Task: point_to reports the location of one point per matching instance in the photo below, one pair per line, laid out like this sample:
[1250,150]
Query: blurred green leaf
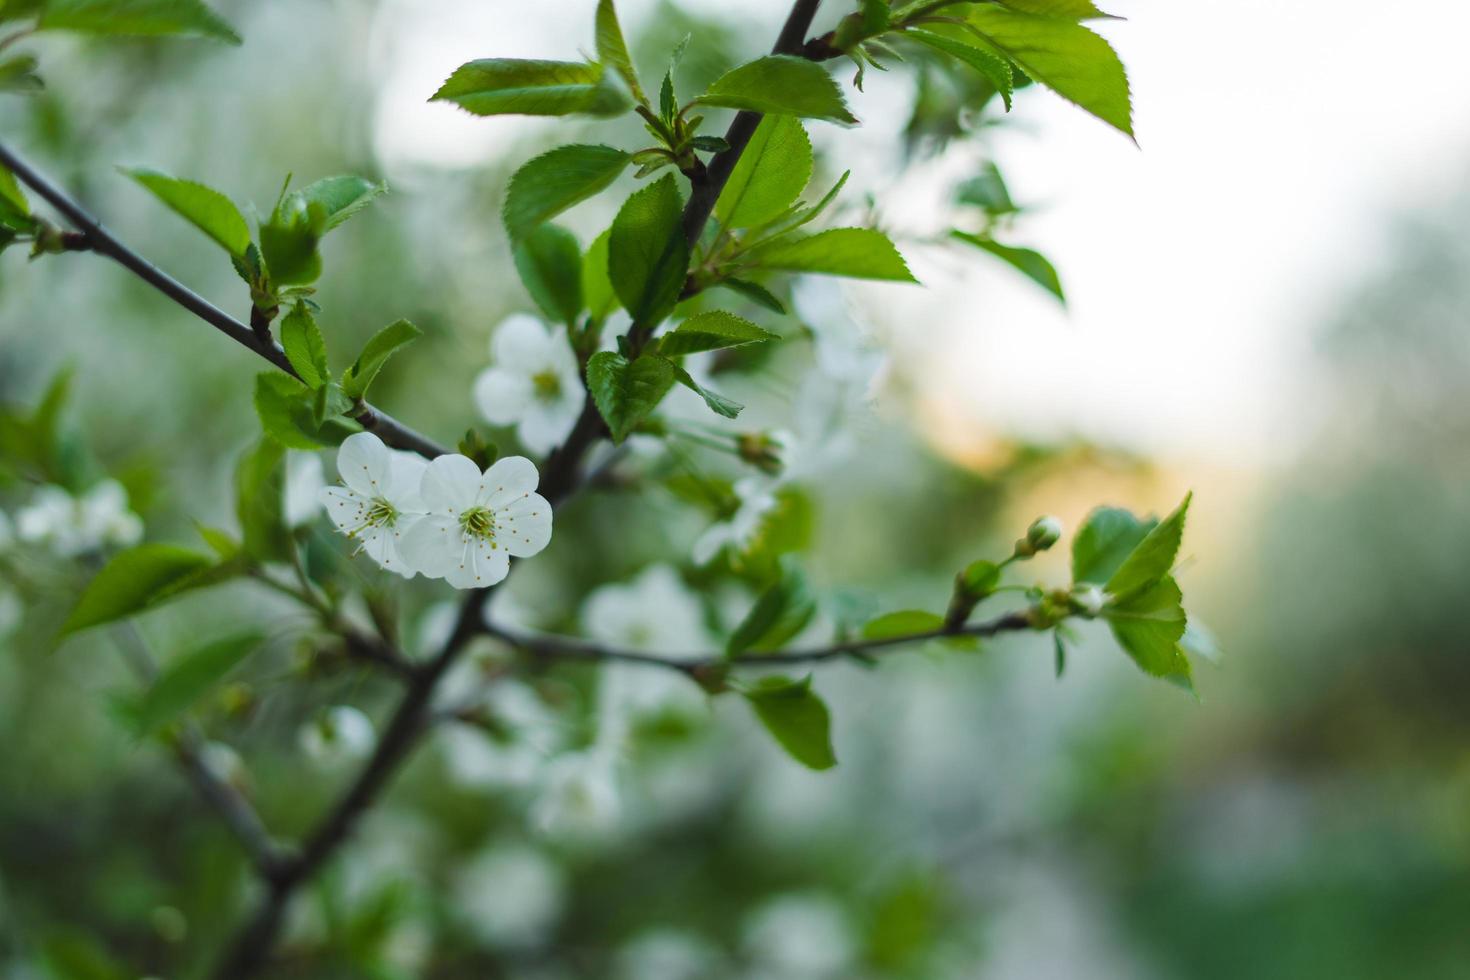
[260,479]
[796,717]
[965,48]
[905,623]
[1030,263]
[384,343]
[550,264]
[305,347]
[782,85]
[136,17]
[286,411]
[613,50]
[18,74]
[713,330]
[74,955]
[756,293]
[597,287]
[1064,56]
[781,612]
[857,253]
[647,254]
[717,402]
[132,581]
[339,198]
[1153,558]
[501,86]
[769,176]
[289,239]
[549,184]
[186,679]
[626,392]
[204,207]
[1104,542]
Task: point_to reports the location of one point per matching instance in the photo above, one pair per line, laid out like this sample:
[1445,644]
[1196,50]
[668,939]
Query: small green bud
[1041,535]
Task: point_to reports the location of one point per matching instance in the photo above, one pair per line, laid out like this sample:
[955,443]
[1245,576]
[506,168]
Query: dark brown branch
[103,242]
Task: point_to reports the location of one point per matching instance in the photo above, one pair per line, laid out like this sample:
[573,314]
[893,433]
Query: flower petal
[405,480]
[544,425]
[502,394]
[481,564]
[523,526]
[510,477]
[381,545]
[347,509]
[521,343]
[362,462]
[431,545]
[450,484]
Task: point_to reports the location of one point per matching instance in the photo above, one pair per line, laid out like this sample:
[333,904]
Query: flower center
[478,522]
[546,385]
[378,513]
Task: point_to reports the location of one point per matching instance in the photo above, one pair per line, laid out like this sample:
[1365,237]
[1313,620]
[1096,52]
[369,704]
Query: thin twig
[103,242]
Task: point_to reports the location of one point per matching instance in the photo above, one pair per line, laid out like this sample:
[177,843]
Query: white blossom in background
[302,493]
[225,764]
[510,896]
[71,526]
[667,954]
[339,734]
[527,735]
[578,798]
[476,522]
[533,383]
[800,937]
[757,498]
[379,500]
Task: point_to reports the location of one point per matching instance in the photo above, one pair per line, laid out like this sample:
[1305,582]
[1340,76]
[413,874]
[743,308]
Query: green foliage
[510,86]
[781,612]
[796,717]
[717,403]
[305,347]
[1064,56]
[858,253]
[375,353]
[1148,625]
[769,176]
[136,17]
[299,417]
[647,254]
[782,85]
[335,199]
[626,392]
[134,580]
[966,48]
[556,180]
[713,330]
[1074,9]
[186,679]
[612,49]
[1032,264]
[18,75]
[754,292]
[260,478]
[550,263]
[1153,558]
[1104,542]
[872,18]
[597,288]
[289,238]
[15,210]
[204,207]
[904,623]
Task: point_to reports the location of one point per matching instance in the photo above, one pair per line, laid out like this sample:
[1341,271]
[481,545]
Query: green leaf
[796,718]
[966,49]
[756,293]
[781,612]
[288,241]
[625,392]
[305,347]
[204,207]
[259,499]
[1071,9]
[597,287]
[613,50]
[136,17]
[1153,558]
[19,9]
[550,264]
[15,210]
[1104,541]
[769,176]
[781,85]
[339,198]
[872,18]
[284,406]
[1149,625]
[1030,263]
[858,253]
[18,74]
[647,255]
[717,402]
[712,331]
[509,86]
[1059,648]
[549,184]
[132,581]
[384,343]
[185,680]
[905,623]
[1064,56]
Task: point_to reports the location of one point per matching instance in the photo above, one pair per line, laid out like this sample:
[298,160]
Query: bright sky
[1276,137]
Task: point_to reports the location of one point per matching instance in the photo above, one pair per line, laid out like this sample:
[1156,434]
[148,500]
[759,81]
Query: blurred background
[1265,304]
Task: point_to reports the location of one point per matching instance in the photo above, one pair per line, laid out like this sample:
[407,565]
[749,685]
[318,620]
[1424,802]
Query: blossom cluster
[442,518]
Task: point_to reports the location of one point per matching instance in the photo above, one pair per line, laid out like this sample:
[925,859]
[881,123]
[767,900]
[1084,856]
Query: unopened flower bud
[1088,599]
[1041,535]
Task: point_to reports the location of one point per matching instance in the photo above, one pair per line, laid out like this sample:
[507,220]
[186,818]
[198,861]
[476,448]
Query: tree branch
[98,239]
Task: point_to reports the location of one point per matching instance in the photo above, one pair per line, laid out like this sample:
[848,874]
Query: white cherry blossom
[379,501]
[476,522]
[71,526]
[533,383]
[302,494]
[756,500]
[340,734]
